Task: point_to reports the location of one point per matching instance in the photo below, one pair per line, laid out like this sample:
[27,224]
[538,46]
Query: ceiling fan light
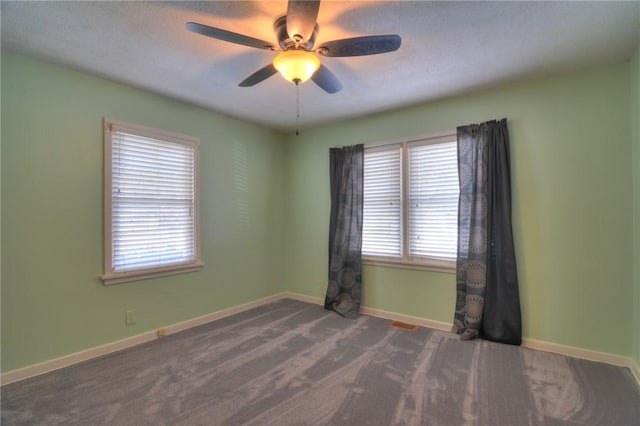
[296,65]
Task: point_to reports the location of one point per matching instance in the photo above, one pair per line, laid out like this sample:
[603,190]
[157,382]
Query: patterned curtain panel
[345,231]
[488,301]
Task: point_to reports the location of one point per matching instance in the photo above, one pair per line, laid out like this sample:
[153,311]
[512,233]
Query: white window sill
[435,265]
[124,277]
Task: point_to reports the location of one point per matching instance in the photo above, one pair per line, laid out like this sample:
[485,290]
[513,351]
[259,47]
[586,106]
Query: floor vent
[400,324]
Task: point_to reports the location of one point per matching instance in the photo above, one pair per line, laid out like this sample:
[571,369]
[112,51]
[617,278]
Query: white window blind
[411,203]
[433,200]
[152,198]
[382,232]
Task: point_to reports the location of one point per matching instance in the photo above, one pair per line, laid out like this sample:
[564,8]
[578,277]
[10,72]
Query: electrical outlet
[130,317]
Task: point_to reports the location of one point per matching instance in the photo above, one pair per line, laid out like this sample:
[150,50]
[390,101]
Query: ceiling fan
[298,60]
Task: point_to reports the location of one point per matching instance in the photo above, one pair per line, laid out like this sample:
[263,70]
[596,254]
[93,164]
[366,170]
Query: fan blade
[301,19]
[229,36]
[326,80]
[360,46]
[258,76]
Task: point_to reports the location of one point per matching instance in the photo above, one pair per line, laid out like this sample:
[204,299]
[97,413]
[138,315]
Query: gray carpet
[293,363]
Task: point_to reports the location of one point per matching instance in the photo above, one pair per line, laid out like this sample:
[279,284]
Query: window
[151,203]
[411,203]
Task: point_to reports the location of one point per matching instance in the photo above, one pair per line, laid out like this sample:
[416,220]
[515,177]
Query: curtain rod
[408,139]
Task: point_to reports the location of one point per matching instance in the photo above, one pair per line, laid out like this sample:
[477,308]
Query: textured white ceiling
[448,48]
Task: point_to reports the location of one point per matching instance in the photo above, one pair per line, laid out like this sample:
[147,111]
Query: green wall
[635,122]
[570,139]
[53,302]
[265,208]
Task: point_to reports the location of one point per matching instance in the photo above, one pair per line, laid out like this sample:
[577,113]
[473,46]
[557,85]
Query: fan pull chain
[297,107]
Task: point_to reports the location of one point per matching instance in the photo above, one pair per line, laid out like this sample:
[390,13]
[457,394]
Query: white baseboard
[635,370]
[67,360]
[74,358]
[204,319]
[574,352]
[438,325]
[571,351]
[303,298]
[77,357]
[409,319]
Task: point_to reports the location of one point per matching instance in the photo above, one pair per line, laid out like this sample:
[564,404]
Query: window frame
[406,261]
[116,277]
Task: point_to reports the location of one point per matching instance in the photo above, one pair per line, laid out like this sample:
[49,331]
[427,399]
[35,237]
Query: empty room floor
[294,363]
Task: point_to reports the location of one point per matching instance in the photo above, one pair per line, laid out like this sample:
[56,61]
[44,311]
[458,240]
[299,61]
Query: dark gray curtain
[345,231]
[488,301]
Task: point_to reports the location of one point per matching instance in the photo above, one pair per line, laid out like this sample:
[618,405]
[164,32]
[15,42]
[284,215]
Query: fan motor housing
[286,41]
